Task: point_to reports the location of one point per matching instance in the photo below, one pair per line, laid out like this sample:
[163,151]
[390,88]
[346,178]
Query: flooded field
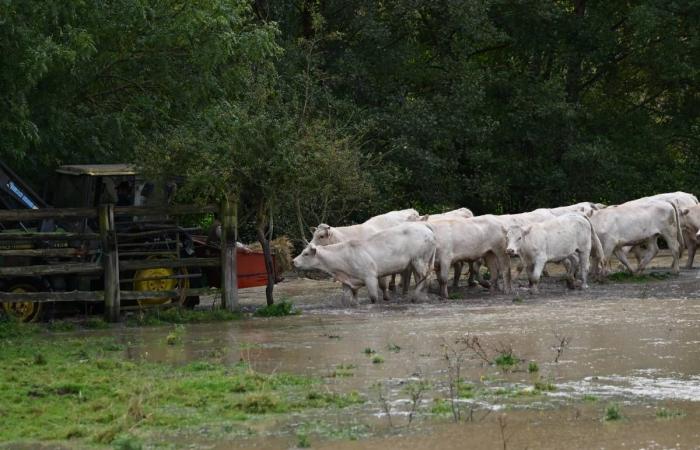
[616,366]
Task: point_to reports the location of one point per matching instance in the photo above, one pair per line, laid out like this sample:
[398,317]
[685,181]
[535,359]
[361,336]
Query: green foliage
[393,348]
[665,413]
[612,412]
[369,351]
[11,328]
[544,386]
[532,367]
[506,360]
[279,309]
[182,316]
[376,359]
[303,440]
[441,407]
[590,398]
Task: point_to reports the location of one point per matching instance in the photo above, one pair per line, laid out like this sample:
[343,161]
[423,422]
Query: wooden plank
[140,264]
[146,244]
[229,277]
[172,210]
[16,215]
[50,269]
[137,295]
[49,236]
[46,252]
[140,234]
[171,277]
[150,253]
[110,261]
[43,297]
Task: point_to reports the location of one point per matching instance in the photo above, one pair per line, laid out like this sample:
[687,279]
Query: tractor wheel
[144,281]
[23,311]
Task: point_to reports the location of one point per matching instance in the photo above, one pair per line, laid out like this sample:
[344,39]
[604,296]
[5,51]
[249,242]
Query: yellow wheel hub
[144,281]
[23,311]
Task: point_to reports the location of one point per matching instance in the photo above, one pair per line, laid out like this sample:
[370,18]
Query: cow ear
[312,249]
[424,218]
[312,229]
[526,231]
[684,211]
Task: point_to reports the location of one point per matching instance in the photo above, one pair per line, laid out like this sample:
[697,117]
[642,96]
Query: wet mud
[630,346]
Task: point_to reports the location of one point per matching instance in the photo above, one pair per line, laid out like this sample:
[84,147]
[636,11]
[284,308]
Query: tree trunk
[262,223]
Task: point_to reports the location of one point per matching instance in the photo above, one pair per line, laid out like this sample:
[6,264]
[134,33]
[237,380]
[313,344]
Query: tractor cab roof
[97,170]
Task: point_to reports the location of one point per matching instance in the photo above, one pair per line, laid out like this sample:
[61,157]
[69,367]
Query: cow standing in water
[363,262]
[567,238]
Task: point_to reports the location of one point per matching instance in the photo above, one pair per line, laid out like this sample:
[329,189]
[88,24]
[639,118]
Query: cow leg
[372,284]
[421,270]
[570,273]
[494,269]
[458,273]
[382,287]
[583,266]
[392,283]
[473,274]
[534,275]
[349,296]
[504,262]
[675,248]
[405,280]
[443,275]
[623,259]
[652,250]
[518,269]
[692,246]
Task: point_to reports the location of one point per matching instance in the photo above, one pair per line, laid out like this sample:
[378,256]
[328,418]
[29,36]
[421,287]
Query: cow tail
[596,243]
[679,231]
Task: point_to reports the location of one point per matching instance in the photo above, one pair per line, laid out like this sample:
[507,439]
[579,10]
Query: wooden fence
[110,245]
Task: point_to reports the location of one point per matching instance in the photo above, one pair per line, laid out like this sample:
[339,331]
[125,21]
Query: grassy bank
[85,392]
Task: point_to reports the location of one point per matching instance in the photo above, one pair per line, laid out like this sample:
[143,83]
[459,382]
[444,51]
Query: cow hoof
[485,284]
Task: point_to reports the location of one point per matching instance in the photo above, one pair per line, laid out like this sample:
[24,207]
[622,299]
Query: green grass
[506,361]
[393,348]
[369,351]
[279,309]
[376,359]
[665,413]
[612,413]
[626,277]
[532,367]
[589,398]
[84,392]
[303,440]
[182,316]
[544,386]
[441,407]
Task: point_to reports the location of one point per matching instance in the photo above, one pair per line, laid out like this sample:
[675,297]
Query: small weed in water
[517,299]
[545,386]
[665,413]
[95,323]
[590,398]
[394,348]
[181,316]
[369,351]
[612,412]
[454,296]
[376,359]
[533,367]
[343,370]
[283,308]
[506,360]
[175,336]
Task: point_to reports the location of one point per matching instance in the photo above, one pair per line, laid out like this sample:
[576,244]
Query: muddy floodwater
[627,352]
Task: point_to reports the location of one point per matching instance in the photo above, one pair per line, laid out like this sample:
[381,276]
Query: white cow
[635,223]
[568,237]
[474,266]
[682,201]
[585,208]
[690,220]
[325,234]
[357,262]
[460,239]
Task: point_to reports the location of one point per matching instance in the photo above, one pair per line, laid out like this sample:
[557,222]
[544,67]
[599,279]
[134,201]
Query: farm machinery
[153,238]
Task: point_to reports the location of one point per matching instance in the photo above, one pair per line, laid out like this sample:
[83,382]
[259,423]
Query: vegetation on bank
[82,391]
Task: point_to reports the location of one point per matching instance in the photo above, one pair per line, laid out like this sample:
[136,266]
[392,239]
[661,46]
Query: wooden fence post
[229,235]
[110,262]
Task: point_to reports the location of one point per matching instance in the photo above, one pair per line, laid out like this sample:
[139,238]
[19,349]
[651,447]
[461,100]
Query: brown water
[637,345]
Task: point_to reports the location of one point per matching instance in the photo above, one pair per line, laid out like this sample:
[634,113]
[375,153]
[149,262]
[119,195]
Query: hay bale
[282,249]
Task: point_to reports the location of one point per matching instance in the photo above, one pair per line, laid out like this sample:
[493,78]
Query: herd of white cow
[582,237]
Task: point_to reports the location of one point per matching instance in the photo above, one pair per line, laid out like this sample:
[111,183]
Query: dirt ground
[630,351]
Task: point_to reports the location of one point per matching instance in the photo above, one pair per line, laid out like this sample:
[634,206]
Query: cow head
[514,239]
[322,235]
[307,258]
